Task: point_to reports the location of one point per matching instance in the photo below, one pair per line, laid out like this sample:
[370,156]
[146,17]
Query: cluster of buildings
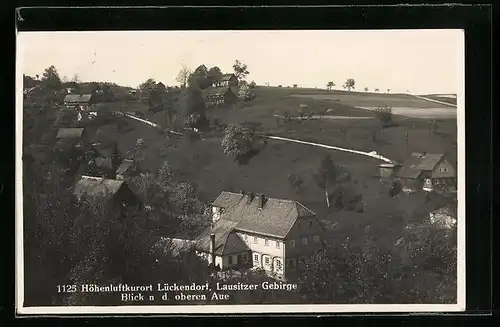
[430,172]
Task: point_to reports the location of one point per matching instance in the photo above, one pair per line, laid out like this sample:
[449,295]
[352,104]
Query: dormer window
[443,170]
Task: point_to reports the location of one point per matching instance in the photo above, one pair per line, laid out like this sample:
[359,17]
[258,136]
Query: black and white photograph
[249,171]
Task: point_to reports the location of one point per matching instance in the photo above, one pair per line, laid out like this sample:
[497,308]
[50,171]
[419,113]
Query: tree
[366,89]
[28,81]
[238,140]
[384,114]
[327,177]
[190,105]
[75,78]
[252,84]
[147,87]
[214,75]
[407,142]
[116,157]
[183,76]
[51,79]
[295,181]
[329,85]
[199,78]
[295,86]
[377,90]
[388,90]
[349,84]
[240,70]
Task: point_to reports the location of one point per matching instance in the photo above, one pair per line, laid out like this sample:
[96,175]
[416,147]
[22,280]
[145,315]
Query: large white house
[255,231]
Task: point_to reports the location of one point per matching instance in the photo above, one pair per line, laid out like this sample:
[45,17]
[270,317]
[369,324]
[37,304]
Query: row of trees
[350,84]
[203,77]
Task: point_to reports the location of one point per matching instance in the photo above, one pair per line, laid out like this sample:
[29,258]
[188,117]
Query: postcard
[283,171]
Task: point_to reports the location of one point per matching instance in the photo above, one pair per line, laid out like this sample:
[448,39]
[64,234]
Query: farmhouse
[219,96]
[227,80]
[445,217]
[431,172]
[78,101]
[255,231]
[115,191]
[71,136]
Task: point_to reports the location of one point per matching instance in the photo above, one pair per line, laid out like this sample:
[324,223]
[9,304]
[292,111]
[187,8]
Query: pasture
[203,163]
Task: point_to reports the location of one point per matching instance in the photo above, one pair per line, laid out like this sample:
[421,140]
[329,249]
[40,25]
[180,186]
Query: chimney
[212,248]
[260,200]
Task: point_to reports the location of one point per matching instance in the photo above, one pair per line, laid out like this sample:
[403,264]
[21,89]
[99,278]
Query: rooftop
[275,218]
[70,133]
[96,186]
[418,163]
[78,98]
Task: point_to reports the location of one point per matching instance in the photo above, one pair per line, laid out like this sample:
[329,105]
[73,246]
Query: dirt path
[324,117]
[331,147]
[435,101]
[367,154]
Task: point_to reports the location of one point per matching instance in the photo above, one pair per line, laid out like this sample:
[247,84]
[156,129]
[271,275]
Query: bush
[384,114]
[295,85]
[395,188]
[252,84]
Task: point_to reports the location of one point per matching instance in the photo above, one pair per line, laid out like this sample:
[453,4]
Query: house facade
[254,231]
[429,172]
[227,80]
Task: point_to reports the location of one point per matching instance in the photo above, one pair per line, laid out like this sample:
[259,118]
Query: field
[204,164]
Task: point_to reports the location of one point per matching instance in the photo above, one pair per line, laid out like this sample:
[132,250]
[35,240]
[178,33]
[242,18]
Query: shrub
[384,114]
[395,188]
[295,85]
[252,84]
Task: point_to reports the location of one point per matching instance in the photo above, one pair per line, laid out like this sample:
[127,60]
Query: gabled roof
[276,218]
[94,186]
[227,77]
[124,166]
[78,98]
[418,163]
[70,133]
[222,228]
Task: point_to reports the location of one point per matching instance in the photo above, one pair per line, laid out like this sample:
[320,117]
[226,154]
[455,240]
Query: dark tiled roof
[276,218]
[227,77]
[106,163]
[417,163]
[125,165]
[222,228]
[70,133]
[78,98]
[97,187]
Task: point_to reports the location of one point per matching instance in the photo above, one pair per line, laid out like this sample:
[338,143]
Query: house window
[255,240]
[256,257]
[292,243]
[304,241]
[291,262]
[230,259]
[279,265]
[443,170]
[267,261]
[245,236]
[277,244]
[310,223]
[316,238]
[266,242]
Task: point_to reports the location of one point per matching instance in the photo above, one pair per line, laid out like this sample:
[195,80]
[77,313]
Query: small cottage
[227,80]
[71,136]
[78,101]
[115,191]
[432,171]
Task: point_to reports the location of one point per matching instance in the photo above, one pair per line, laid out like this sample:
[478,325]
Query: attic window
[443,170]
